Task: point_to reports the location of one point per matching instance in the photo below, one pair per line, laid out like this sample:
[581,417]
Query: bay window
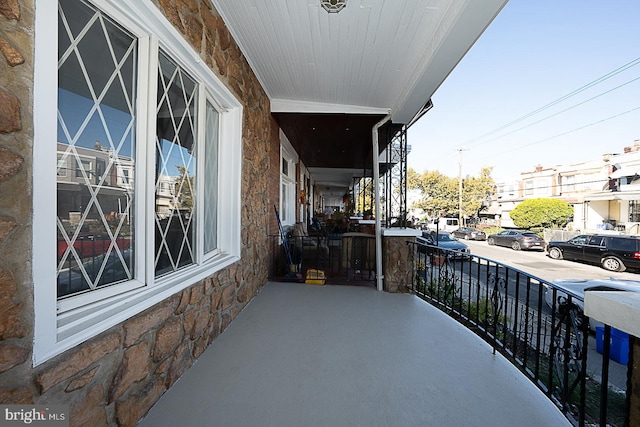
[154,139]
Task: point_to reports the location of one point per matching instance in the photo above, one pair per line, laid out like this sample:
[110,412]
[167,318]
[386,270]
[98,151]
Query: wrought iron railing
[342,257]
[541,329]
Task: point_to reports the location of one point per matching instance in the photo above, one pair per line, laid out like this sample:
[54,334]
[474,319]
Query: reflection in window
[634,210]
[96,120]
[83,168]
[175,167]
[284,203]
[211,180]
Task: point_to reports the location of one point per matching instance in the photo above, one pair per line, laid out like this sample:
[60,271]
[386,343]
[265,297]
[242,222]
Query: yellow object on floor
[315,277]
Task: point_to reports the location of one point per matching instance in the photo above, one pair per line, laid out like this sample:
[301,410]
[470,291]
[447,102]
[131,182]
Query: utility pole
[460,150]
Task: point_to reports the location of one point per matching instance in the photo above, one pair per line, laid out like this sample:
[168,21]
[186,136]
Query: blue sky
[535,53]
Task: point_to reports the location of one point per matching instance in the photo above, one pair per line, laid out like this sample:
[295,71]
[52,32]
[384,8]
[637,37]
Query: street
[540,265]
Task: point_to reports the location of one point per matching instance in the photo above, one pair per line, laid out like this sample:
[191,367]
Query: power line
[562,98]
[571,131]
[552,186]
[557,113]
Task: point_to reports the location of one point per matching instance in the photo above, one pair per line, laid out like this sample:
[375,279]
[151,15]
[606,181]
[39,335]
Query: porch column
[397,258]
[376,186]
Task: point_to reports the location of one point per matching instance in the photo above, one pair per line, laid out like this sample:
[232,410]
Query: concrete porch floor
[308,355]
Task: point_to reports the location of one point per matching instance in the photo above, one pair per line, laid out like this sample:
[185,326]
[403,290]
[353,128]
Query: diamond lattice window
[176,167]
[96,120]
[137,162]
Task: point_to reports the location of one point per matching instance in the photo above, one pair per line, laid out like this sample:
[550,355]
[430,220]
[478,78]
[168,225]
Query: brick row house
[143,147]
[604,192]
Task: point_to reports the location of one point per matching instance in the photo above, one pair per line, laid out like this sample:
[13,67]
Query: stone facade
[114,378]
[397,262]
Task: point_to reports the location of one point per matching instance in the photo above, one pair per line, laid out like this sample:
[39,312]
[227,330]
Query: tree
[542,212]
[440,192]
[185,184]
[475,191]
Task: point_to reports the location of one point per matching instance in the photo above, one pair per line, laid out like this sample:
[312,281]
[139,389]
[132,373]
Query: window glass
[287,191]
[634,211]
[96,121]
[175,195]
[621,244]
[528,188]
[579,240]
[61,170]
[211,179]
[284,217]
[108,223]
[595,240]
[569,183]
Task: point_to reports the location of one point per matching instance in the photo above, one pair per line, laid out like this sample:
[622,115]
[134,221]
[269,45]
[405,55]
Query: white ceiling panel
[374,55]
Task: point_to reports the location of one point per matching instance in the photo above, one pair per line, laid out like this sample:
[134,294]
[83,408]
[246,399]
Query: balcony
[350,355]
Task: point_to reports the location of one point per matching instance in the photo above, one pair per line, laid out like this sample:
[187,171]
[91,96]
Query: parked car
[611,252]
[443,240]
[578,287]
[469,233]
[443,224]
[89,245]
[517,239]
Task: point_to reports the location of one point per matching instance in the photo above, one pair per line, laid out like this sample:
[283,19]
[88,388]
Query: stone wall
[397,262]
[16,136]
[114,378]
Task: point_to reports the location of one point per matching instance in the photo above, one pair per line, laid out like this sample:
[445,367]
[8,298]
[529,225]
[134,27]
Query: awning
[624,171]
[618,173]
[493,209]
[613,195]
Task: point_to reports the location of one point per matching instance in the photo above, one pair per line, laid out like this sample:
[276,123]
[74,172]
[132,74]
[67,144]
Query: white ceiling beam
[295,106]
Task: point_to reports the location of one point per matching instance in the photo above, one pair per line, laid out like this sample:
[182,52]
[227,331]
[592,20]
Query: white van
[444,224]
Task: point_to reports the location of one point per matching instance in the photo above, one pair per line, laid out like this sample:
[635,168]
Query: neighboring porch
[346,355]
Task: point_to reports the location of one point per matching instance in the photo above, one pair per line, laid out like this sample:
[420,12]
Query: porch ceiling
[329,72]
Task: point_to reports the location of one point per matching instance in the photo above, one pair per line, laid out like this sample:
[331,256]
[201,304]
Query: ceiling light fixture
[333,6]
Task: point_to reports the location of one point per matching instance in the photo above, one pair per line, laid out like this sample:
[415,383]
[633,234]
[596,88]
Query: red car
[89,245]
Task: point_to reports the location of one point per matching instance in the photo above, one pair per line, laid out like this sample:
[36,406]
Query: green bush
[542,213]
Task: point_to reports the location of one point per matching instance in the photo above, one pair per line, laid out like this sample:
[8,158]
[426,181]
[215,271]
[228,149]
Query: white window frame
[569,183]
[66,324]
[543,186]
[529,189]
[206,98]
[287,182]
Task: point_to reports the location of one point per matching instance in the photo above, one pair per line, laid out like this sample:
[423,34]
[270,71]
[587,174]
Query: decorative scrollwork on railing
[497,284]
[568,350]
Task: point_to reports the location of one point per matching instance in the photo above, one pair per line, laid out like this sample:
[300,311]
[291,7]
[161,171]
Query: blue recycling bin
[618,347]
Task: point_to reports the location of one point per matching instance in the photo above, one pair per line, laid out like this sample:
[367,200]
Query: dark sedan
[468,233]
[444,241]
[517,240]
